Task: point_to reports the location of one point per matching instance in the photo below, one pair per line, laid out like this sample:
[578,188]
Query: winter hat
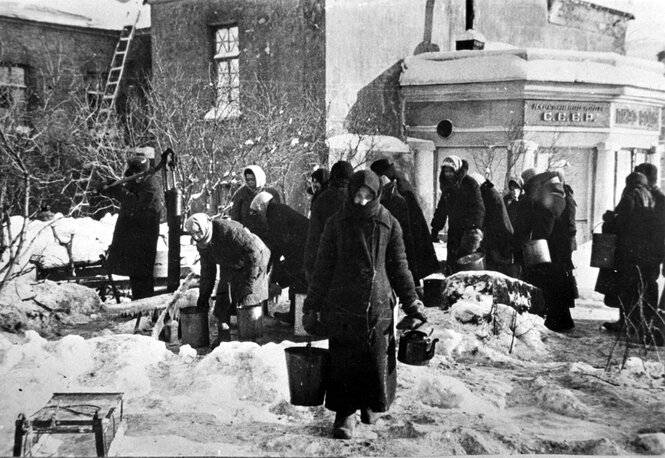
[517,181]
[648,170]
[379,167]
[636,179]
[341,172]
[137,164]
[258,173]
[260,202]
[321,176]
[370,180]
[454,162]
[528,174]
[199,226]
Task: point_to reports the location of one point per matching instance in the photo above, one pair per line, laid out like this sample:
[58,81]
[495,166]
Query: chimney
[470,39]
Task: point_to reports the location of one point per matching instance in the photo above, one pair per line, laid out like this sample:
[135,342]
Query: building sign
[636,116]
[560,113]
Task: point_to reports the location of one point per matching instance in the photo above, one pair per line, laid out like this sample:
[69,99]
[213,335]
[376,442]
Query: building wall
[51,50]
[280,40]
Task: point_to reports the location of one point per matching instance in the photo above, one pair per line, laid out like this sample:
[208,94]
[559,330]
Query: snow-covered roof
[365,143]
[97,14]
[532,64]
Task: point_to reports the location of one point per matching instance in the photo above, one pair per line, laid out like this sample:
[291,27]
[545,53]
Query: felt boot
[344,425]
[368,416]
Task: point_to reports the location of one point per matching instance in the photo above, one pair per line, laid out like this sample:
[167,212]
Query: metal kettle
[416,347]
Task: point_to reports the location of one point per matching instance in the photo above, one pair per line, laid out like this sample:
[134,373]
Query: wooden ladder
[112,87]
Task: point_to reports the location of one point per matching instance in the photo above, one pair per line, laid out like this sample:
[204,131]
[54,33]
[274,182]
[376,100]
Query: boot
[616,326]
[223,334]
[368,416]
[344,425]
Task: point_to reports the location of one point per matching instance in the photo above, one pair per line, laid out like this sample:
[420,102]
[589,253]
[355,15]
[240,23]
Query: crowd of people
[366,246]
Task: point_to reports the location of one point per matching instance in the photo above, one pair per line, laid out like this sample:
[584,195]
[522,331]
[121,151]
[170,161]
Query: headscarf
[454,162]
[650,171]
[340,173]
[321,176]
[370,180]
[258,173]
[381,166]
[201,225]
[517,181]
[260,202]
[478,178]
[528,174]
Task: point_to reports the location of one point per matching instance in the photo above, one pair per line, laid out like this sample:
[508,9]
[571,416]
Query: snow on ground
[487,390]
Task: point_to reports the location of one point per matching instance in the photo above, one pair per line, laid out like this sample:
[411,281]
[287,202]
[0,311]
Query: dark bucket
[250,322]
[194,327]
[433,287]
[307,368]
[607,281]
[473,261]
[602,250]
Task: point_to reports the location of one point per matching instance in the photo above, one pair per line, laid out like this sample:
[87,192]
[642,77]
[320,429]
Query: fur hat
[137,164]
[648,170]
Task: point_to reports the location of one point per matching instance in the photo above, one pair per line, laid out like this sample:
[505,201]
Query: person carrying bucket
[462,206]
[361,260]
[543,217]
[243,261]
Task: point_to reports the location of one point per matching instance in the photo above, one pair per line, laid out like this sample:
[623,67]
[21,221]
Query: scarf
[199,226]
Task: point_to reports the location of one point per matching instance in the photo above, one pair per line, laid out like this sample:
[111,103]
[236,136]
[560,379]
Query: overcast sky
[645,37]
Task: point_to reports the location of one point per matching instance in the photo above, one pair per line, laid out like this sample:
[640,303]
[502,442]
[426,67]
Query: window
[12,88]
[226,60]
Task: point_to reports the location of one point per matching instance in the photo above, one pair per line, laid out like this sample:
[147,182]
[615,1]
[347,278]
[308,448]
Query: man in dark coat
[511,200]
[462,206]
[318,182]
[497,229]
[361,261]
[637,256]
[425,256]
[243,261]
[255,182]
[542,216]
[393,201]
[285,231]
[134,244]
[328,202]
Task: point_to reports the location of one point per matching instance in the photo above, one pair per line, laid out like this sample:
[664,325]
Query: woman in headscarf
[462,206]
[318,182]
[255,182]
[243,261]
[361,261]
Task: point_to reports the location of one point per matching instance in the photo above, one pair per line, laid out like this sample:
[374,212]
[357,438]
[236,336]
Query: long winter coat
[462,206]
[286,231]
[393,201]
[243,198]
[497,228]
[243,261]
[325,205]
[424,254]
[352,288]
[134,244]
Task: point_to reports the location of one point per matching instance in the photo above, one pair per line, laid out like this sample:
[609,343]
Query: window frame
[227,92]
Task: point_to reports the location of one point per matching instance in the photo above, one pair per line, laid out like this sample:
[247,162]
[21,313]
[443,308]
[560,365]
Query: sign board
[562,113]
[636,116]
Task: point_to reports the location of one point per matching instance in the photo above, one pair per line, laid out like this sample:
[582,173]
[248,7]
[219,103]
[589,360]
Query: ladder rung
[112,83]
[116,69]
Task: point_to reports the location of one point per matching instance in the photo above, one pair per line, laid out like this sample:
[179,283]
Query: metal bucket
[194,327]
[473,261]
[250,322]
[602,250]
[433,287]
[536,252]
[606,283]
[307,368]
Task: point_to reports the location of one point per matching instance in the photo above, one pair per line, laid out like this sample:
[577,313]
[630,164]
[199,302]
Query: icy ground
[550,394]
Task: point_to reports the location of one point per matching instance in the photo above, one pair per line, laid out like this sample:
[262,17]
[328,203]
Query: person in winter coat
[285,231]
[318,182]
[637,256]
[425,257]
[497,230]
[511,200]
[134,245]
[542,216]
[361,261]
[328,202]
[651,172]
[393,201]
[255,182]
[462,206]
[243,263]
